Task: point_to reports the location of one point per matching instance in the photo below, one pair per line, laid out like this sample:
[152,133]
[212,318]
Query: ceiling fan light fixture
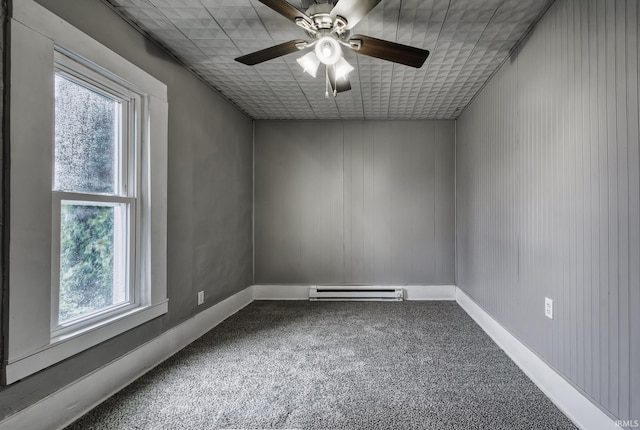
[309,63]
[343,68]
[328,24]
[328,50]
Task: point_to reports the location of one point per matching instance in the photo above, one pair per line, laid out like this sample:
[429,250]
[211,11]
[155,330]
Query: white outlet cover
[548,307]
[200,297]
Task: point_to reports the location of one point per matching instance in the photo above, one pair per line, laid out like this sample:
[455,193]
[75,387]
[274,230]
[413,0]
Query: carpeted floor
[335,365]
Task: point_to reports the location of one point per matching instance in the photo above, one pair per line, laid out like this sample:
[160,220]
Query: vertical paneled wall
[354,202]
[548,197]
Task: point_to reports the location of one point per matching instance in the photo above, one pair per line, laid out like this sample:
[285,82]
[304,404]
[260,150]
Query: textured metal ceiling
[468,40]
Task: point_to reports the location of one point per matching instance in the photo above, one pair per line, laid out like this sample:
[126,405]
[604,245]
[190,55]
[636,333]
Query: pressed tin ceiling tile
[468,40]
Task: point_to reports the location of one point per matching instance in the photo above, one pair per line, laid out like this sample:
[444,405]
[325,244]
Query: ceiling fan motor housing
[321,21]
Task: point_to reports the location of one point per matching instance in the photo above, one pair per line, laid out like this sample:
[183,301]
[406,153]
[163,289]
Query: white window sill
[65,346]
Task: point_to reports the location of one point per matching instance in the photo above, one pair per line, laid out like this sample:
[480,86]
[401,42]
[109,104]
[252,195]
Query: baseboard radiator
[362,293]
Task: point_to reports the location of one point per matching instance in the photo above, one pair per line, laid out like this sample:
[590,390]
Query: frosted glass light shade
[328,50]
[343,68]
[310,63]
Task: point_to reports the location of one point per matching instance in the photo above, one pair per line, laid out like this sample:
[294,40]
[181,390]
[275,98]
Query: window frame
[35,36]
[127,177]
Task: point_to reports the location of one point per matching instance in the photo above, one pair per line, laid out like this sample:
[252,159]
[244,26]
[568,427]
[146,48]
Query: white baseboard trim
[71,402]
[430,292]
[567,398]
[280,292]
[301,292]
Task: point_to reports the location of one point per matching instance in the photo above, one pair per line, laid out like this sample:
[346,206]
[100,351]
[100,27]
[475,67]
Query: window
[87,211]
[94,197]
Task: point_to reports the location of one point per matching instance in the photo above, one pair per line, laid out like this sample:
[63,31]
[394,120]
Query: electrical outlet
[200,297]
[548,308]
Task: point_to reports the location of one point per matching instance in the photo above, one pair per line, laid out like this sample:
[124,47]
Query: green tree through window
[86,260]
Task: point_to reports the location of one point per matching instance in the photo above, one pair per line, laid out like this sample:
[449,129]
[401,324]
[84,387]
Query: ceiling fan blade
[285,9]
[390,51]
[270,53]
[339,86]
[353,10]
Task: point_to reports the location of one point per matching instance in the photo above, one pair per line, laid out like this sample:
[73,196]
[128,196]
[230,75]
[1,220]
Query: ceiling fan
[329,28]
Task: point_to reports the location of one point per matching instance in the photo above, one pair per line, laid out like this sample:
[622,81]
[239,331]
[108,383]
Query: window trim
[36,34]
[128,168]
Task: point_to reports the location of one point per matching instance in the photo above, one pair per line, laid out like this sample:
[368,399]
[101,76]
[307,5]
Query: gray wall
[3,51]
[209,198]
[354,202]
[548,197]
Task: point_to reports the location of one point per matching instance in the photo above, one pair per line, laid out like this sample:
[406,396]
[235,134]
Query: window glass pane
[86,139]
[92,258]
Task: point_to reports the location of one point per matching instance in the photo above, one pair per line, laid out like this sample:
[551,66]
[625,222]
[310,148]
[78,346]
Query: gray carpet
[335,365]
